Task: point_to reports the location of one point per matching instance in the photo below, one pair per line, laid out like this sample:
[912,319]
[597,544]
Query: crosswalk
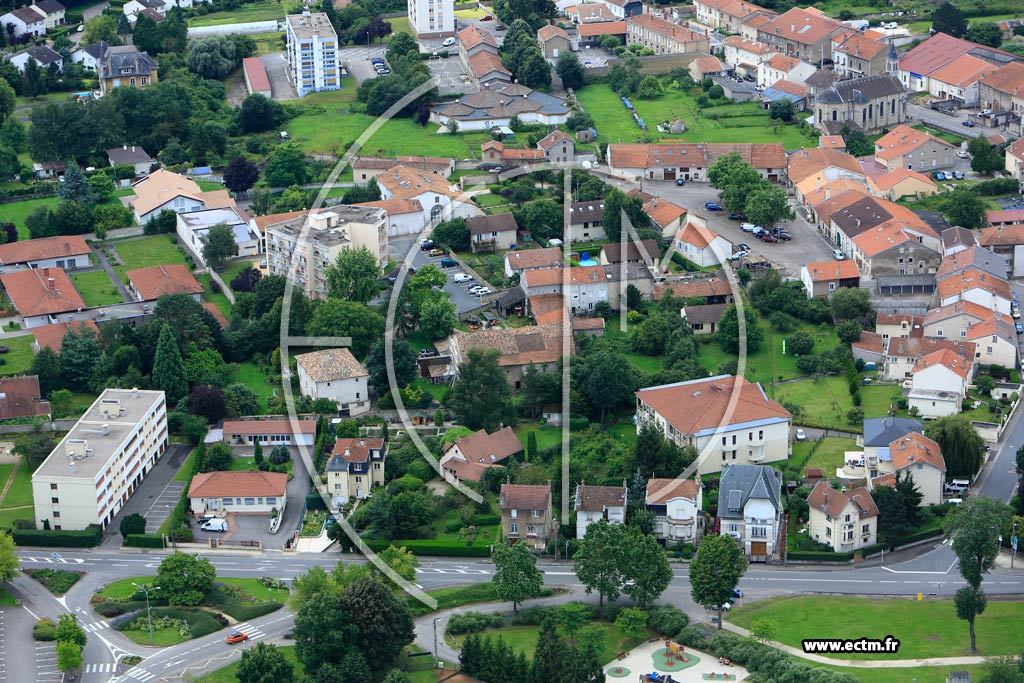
[97,626]
[253,632]
[108,667]
[140,675]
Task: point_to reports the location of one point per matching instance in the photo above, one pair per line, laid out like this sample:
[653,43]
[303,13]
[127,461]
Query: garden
[144,252]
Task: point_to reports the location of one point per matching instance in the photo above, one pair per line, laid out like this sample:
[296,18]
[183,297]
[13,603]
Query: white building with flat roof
[193,227]
[432,18]
[94,470]
[312,53]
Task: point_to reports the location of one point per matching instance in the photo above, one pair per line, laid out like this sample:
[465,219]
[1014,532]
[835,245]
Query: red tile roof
[832,270]
[914,448]
[43,248]
[256,74]
[945,358]
[225,484]
[698,405]
[602,28]
[660,491]
[355,450]
[1007,79]
[277,424]
[524,497]
[156,281]
[597,498]
[41,291]
[51,336]
[833,502]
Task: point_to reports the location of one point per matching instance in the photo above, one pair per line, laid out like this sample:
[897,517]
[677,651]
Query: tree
[857,142]
[481,395]
[848,331]
[78,354]
[133,524]
[646,564]
[7,102]
[258,114]
[168,372]
[39,222]
[264,663]
[963,207]
[69,655]
[382,620]
[728,333]
[970,602]
[324,632]
[516,576]
[782,110]
[337,318]
[246,280]
[632,621]
[767,205]
[656,456]
[649,88]
[569,70]
[102,27]
[947,18]
[286,165]
[75,187]
[218,458]
[1020,459]
[185,579]
[985,157]
[960,443]
[101,184]
[606,379]
[801,344]
[403,360]
[453,234]
[735,181]
[240,175]
[8,559]
[437,316]
[715,571]
[397,675]
[174,154]
[549,656]
[974,527]
[9,163]
[212,57]
[68,630]
[597,562]
[985,384]
[279,455]
[207,401]
[850,303]
[219,245]
[984,33]
[354,276]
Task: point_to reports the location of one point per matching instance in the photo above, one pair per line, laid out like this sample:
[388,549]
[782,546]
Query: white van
[217,525]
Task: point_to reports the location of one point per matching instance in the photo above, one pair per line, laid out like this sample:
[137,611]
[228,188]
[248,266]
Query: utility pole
[149,614]
[436,619]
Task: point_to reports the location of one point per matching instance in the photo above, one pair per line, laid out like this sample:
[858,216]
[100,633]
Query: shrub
[667,620]
[533,616]
[693,636]
[44,629]
[57,581]
[86,538]
[146,540]
[474,622]
[431,547]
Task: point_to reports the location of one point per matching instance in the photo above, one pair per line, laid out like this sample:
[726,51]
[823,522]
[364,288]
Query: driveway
[463,300]
[281,88]
[357,61]
[451,76]
[147,495]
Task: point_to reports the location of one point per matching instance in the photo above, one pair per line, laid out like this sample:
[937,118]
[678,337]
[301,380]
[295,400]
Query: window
[535,513]
[376,465]
[250,501]
[513,528]
[228,501]
[760,434]
[55,501]
[513,513]
[56,513]
[531,529]
[53,487]
[828,531]
[866,528]
[359,480]
[337,487]
[847,518]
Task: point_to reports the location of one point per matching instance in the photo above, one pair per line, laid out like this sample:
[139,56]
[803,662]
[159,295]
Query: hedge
[235,608]
[429,547]
[914,538]
[816,556]
[144,541]
[86,538]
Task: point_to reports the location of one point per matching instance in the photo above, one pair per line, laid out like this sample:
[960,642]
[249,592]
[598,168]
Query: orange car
[236,637]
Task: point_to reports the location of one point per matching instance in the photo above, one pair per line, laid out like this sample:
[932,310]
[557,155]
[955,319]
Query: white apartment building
[93,471]
[312,53]
[432,18]
[677,505]
[302,253]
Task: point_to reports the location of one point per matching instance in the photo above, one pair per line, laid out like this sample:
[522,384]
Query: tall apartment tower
[312,53]
[432,18]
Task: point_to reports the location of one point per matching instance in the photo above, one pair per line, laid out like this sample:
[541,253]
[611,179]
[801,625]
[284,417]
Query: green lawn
[524,639]
[17,212]
[218,299]
[252,376]
[268,43]
[825,402]
[96,288]
[828,455]
[924,629]
[547,435]
[184,472]
[5,472]
[9,516]
[247,464]
[19,357]
[20,492]
[6,599]
[400,25]
[144,252]
[260,11]
[123,588]
[745,122]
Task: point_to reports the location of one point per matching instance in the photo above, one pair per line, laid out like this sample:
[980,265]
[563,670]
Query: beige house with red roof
[269,430]
[51,336]
[467,458]
[726,418]
[895,185]
[857,54]
[439,199]
[746,55]
[149,284]
[821,279]
[518,347]
[938,383]
[66,251]
[845,521]
[558,147]
[531,259]
[665,215]
[238,492]
[978,286]
[953,321]
[355,468]
[690,161]
[727,15]
[902,354]
[1008,242]
[678,508]
[1015,159]
[589,12]
[996,339]
[335,374]
[365,168]
[526,515]
[700,245]
[662,36]
[960,79]
[594,503]
[822,165]
[916,456]
[708,65]
[802,33]
[915,150]
[41,295]
[1001,92]
[780,67]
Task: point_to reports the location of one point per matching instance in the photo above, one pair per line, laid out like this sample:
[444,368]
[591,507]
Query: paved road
[953,124]
[463,300]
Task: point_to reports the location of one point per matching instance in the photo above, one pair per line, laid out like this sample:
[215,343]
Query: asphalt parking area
[249,527]
[451,76]
[46,663]
[162,507]
[281,88]
[357,61]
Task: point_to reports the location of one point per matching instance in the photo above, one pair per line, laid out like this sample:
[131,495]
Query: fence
[652,64]
[250,28]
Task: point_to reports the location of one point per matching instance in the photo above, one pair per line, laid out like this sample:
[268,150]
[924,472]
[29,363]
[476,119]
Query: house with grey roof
[497,103]
[126,66]
[131,155]
[750,509]
[869,104]
[26,21]
[52,11]
[40,54]
[880,432]
[89,55]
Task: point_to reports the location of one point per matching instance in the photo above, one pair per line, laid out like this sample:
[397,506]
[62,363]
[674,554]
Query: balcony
[755,457]
[680,520]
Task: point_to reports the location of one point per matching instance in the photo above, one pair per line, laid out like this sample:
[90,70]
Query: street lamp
[436,619]
[149,614]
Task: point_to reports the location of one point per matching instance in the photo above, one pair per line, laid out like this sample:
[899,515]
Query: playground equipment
[675,651]
[655,677]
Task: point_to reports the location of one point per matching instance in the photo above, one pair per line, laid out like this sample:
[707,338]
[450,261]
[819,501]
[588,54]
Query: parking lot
[162,507]
[357,61]
[1011,203]
[451,76]
[246,527]
[460,296]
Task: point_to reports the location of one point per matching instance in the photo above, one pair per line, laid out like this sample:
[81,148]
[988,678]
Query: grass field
[20,492]
[216,298]
[524,639]
[547,435]
[828,456]
[745,122]
[252,376]
[96,288]
[268,43]
[825,402]
[17,212]
[8,516]
[229,673]
[6,599]
[123,588]
[144,252]
[261,11]
[924,629]
[184,472]
[400,25]
[19,358]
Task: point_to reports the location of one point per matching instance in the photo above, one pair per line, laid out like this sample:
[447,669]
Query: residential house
[124,66]
[702,246]
[355,468]
[835,142]
[558,147]
[703,319]
[902,354]
[583,287]
[1009,26]
[678,508]
[52,11]
[540,346]
[553,41]
[750,509]
[956,240]
[311,50]
[960,80]
[1005,218]
[857,54]
[1001,92]
[193,227]
[746,56]
[978,286]
[52,336]
[781,67]
[823,278]
[103,459]
[869,104]
[1015,159]
[870,348]
[953,321]
[623,9]
[618,278]
[939,383]
[365,168]
[440,201]
[1008,242]
[20,397]
[518,262]
[404,216]
[996,340]
[802,33]
[810,170]
[918,457]
[238,492]
[712,290]
[727,419]
[468,457]
[785,91]
[591,34]
[492,232]
[42,55]
[163,190]
[844,520]
[498,103]
[902,183]
[751,26]
[645,252]
[149,284]
[915,150]
[589,12]
[706,67]
[666,216]
[974,256]
[881,432]
[918,65]
[662,36]
[594,503]
[586,220]
[88,55]
[270,431]
[688,161]
[727,15]
[302,245]
[506,157]
[131,156]
[893,248]
[25,21]
[66,251]
[336,375]
[526,515]
[41,295]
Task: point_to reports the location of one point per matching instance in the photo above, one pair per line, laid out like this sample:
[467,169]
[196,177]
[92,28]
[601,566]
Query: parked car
[733,216]
[1020,327]
[890,25]
[461,278]
[448,263]
[496,170]
[483,291]
[680,182]
[969,124]
[783,235]
[499,27]
[742,247]
[801,435]
[435,252]
[768,237]
[737,593]
[838,255]
[448,42]
[958,175]
[963,155]
[738,255]
[216,525]
[939,175]
[748,227]
[984,112]
[236,637]
[749,78]
[711,206]
[426,245]
[475,286]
